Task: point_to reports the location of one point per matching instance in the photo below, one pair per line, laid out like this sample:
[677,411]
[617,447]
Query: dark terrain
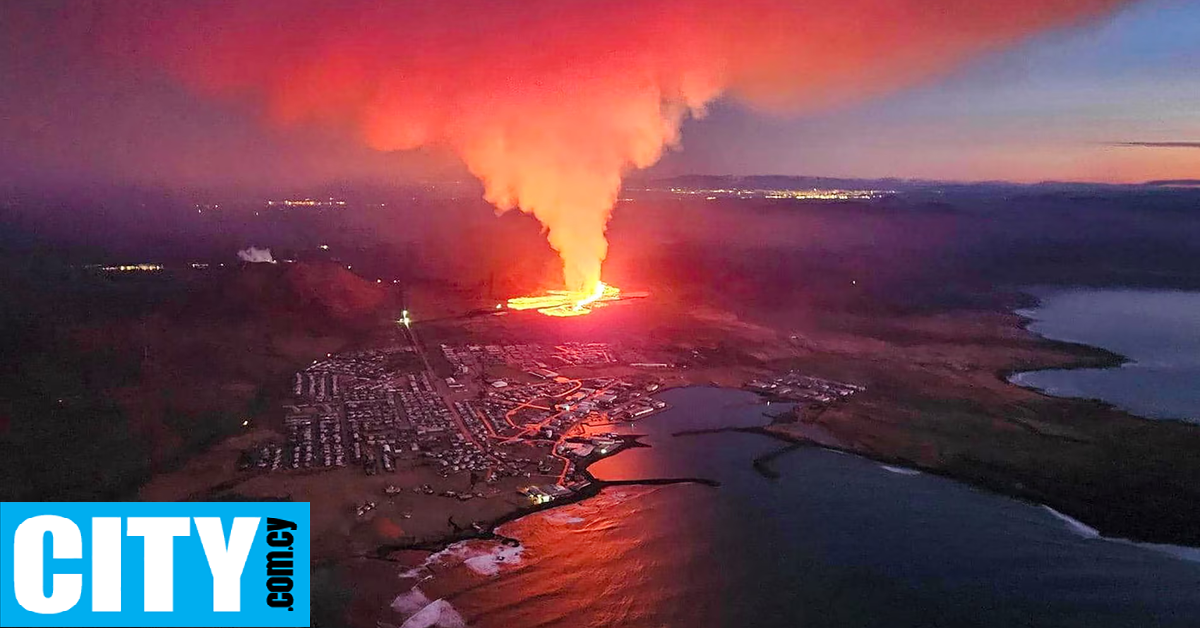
[108,378]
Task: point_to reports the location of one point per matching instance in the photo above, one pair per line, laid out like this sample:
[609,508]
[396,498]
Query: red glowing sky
[550,103]
[108,90]
[1043,111]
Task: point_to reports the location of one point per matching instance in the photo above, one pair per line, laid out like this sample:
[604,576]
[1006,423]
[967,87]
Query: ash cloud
[551,102]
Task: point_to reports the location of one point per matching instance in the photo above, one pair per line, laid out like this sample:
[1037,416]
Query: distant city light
[129,268]
[809,194]
[308,202]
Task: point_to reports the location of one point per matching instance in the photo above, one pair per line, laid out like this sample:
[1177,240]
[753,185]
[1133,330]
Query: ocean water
[1159,331]
[835,541]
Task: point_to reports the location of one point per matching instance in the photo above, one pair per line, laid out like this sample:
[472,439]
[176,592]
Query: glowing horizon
[551,105]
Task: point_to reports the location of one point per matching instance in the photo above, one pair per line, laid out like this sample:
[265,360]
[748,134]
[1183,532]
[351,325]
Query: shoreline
[1104,358]
[1027,497]
[1085,357]
[1109,360]
[793,442]
[761,464]
[1059,504]
[486,531]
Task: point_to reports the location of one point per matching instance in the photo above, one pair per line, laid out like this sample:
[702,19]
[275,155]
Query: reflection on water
[1158,331]
[836,541]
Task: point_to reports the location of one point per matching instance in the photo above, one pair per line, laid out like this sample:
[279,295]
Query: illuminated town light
[129,268]
[809,194]
[308,202]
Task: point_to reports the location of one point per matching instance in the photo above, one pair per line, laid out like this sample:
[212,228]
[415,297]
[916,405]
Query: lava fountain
[564,303]
[550,103]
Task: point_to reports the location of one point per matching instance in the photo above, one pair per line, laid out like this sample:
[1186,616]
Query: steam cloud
[256,255]
[550,102]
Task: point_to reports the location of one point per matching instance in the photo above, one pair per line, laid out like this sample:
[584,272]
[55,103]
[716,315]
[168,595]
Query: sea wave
[563,518]
[490,563]
[411,602]
[415,573]
[899,470]
[1077,526]
[484,558]
[1182,552]
[438,614]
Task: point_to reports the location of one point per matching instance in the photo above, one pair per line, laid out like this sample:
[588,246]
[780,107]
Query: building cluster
[545,493]
[379,408]
[553,407]
[369,409]
[529,357]
[796,387]
[602,444]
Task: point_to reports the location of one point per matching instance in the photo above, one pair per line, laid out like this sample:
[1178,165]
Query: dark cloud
[1156,144]
[1175,183]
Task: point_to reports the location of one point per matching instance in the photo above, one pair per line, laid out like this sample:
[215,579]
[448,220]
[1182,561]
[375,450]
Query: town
[803,388]
[487,412]
[503,413]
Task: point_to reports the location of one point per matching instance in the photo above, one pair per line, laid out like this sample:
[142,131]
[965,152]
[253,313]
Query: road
[444,392]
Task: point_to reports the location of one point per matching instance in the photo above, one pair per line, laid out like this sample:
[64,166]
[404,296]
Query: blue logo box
[154,564]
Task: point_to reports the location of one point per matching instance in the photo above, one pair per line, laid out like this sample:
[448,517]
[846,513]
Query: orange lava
[565,302]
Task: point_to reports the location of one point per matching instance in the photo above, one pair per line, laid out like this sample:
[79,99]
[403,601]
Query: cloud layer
[550,102]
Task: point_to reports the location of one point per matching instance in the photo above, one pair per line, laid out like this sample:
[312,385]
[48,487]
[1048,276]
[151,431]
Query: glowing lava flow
[565,302]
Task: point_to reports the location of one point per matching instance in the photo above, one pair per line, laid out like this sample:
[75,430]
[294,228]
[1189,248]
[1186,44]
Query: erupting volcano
[566,303]
[549,103]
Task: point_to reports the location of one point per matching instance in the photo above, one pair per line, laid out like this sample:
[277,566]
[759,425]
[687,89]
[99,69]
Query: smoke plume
[550,102]
[255,255]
